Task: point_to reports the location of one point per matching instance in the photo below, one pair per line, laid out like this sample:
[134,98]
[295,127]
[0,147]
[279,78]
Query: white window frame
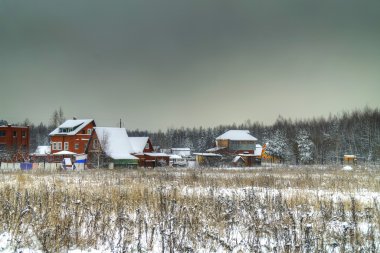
[66,145]
[54,145]
[89,131]
[76,146]
[59,146]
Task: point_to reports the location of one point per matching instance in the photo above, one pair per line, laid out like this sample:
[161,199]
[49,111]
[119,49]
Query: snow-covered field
[272,209]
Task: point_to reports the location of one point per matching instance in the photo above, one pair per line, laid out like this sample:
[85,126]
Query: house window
[88,131]
[66,146]
[76,145]
[2,133]
[57,145]
[95,145]
[23,134]
[14,134]
[146,146]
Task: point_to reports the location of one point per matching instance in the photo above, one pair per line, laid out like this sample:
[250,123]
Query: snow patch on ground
[347,167]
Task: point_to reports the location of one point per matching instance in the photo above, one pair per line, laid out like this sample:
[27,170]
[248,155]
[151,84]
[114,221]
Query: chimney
[74,118]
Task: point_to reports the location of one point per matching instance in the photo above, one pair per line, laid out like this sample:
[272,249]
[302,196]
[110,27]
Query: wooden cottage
[234,142]
[110,145]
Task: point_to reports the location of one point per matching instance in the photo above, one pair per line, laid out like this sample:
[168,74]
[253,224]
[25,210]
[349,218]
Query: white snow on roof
[236,159]
[114,142]
[208,154]
[181,149]
[42,150]
[65,152]
[138,143]
[78,124]
[156,154]
[215,149]
[175,157]
[237,135]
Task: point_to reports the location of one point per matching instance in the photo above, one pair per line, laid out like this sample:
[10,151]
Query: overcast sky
[160,64]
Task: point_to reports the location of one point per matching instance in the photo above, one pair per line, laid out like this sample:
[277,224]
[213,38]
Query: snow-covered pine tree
[278,145]
[305,147]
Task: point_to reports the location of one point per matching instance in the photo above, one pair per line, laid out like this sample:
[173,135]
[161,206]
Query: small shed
[207,159]
[350,159]
[153,159]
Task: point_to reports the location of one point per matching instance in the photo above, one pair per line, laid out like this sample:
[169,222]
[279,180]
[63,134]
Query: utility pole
[120,123]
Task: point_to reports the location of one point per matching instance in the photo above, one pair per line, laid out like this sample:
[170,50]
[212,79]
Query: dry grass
[165,210]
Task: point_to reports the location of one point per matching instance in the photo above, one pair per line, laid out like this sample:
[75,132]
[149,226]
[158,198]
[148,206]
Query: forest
[321,140]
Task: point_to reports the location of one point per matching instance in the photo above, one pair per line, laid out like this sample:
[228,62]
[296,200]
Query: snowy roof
[74,124]
[156,154]
[237,135]
[215,149]
[175,157]
[208,154]
[181,149]
[236,159]
[115,142]
[138,143]
[42,150]
[65,152]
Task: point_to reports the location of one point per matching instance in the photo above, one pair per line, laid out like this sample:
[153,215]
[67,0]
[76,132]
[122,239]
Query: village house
[72,136]
[238,146]
[110,145]
[234,142]
[113,145]
[14,142]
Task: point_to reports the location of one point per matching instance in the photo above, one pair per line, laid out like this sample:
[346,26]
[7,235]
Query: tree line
[321,140]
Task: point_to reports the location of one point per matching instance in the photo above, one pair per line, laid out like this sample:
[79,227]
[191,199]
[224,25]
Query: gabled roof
[76,124]
[138,143]
[115,142]
[237,135]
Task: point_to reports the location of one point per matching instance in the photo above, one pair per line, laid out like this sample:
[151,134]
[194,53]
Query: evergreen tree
[305,147]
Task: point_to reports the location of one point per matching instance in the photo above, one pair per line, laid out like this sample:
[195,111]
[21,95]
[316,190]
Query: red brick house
[14,143]
[73,135]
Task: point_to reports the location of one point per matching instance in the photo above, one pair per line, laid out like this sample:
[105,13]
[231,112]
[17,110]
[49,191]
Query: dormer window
[89,131]
[65,130]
